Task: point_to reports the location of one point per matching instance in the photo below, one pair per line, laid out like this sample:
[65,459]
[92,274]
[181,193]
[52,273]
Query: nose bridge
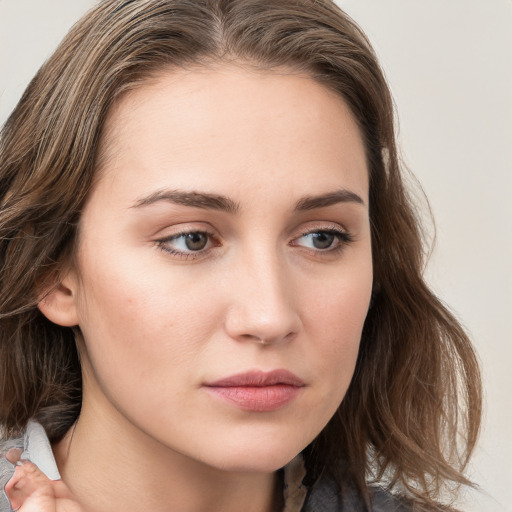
[262,307]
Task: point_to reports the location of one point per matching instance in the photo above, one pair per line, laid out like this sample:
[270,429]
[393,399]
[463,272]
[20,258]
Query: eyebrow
[322,201]
[193,199]
[209,201]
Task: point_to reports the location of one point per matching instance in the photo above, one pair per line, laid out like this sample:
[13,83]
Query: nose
[262,304]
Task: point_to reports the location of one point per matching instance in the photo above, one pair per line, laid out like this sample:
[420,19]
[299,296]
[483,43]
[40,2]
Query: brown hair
[411,415]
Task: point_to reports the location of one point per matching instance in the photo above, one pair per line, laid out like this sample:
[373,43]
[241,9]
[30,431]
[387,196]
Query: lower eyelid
[183,255]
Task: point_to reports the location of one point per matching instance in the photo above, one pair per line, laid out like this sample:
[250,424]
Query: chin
[255,464]
[260,457]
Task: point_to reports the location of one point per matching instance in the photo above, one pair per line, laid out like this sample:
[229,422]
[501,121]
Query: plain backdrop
[449,64]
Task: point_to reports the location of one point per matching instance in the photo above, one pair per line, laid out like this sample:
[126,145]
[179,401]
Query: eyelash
[344,238]
[163,243]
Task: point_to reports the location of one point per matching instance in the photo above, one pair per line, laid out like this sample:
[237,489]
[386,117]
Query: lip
[257,391]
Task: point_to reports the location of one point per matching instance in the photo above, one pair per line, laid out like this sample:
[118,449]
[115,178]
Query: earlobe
[59,305]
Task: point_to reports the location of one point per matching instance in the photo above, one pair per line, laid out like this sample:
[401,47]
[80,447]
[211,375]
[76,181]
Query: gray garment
[325,497]
[36,448]
[322,497]
[6,471]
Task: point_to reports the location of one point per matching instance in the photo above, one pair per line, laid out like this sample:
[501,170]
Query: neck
[111,465]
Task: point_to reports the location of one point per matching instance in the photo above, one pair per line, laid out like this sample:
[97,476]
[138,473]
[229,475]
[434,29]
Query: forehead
[233,117]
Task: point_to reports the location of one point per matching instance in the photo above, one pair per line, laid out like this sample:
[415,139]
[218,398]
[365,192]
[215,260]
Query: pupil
[195,241]
[323,240]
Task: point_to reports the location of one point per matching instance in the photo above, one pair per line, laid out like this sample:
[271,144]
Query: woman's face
[224,265]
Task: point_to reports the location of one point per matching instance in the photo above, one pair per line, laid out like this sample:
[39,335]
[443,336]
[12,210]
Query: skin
[160,320]
[29,490]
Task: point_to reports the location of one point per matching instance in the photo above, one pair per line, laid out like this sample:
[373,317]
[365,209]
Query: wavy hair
[411,416]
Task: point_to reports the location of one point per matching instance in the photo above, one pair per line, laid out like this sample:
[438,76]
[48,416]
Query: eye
[185,244]
[323,239]
[193,241]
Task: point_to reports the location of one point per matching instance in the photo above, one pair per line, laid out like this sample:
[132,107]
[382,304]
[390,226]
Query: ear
[59,305]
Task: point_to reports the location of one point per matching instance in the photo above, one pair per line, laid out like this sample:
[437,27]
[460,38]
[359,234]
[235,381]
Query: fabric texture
[36,448]
[324,496]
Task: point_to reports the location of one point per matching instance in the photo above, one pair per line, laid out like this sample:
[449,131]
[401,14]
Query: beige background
[449,63]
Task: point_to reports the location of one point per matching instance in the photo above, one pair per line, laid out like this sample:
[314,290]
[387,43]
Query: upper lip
[258,378]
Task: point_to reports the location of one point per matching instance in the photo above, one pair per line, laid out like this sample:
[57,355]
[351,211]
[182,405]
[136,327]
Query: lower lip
[257,399]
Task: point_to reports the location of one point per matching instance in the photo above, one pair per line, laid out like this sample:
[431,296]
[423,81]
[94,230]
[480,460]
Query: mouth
[257,391]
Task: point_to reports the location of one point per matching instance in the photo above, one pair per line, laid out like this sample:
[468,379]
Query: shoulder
[384,501]
[324,496]
[7,468]
[36,448]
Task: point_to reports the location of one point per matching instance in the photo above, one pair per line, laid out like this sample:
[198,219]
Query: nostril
[267,340]
[256,339]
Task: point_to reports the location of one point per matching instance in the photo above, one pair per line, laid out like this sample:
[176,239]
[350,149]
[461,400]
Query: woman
[211,270]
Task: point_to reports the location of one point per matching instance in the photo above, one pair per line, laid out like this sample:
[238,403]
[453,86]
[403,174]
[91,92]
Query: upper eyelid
[295,233]
[179,234]
[334,227]
[335,231]
[324,228]
[187,232]
[178,230]
[212,237]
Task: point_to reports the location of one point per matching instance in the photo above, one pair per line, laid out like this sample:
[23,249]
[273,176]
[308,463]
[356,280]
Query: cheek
[138,319]
[338,303]
[335,319]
